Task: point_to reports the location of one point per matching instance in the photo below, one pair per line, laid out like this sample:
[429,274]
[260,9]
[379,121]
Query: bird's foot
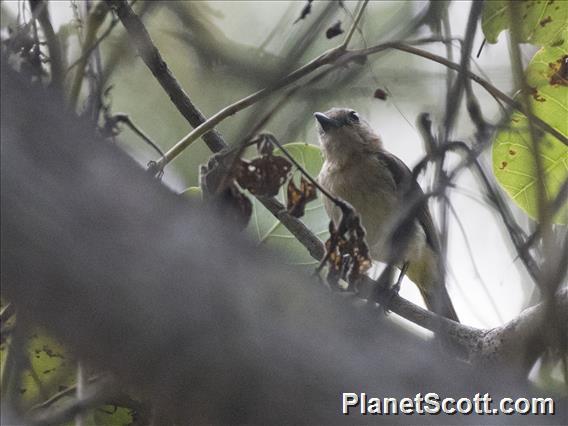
[385,290]
[394,289]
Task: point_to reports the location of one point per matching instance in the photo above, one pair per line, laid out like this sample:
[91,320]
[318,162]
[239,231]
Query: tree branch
[154,61]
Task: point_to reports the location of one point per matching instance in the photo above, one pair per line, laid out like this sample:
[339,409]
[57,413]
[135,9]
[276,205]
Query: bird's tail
[424,273]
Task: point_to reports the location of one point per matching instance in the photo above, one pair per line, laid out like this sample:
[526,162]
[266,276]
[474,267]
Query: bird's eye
[353,117]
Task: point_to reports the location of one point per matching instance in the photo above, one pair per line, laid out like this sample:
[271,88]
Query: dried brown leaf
[298,198]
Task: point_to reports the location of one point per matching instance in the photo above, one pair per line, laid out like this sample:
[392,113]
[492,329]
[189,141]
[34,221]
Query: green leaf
[513,158]
[542,22]
[268,230]
[51,369]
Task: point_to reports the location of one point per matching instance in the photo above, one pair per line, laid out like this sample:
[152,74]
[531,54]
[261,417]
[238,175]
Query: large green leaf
[268,230]
[513,159]
[542,22]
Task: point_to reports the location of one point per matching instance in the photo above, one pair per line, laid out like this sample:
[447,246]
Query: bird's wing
[403,180]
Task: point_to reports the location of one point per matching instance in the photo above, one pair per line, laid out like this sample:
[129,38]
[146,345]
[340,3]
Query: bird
[358,169]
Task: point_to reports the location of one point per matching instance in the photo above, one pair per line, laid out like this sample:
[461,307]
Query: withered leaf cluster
[226,175]
[264,175]
[298,198]
[347,253]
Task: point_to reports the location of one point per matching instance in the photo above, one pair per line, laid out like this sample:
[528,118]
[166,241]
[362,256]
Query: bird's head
[343,133]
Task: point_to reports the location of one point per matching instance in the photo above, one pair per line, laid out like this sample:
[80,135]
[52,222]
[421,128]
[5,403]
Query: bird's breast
[374,197]
[368,190]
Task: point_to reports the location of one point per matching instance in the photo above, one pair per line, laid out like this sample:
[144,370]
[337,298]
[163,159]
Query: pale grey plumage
[359,170]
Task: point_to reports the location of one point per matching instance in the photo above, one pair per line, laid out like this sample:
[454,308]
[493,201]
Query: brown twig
[93,46]
[154,61]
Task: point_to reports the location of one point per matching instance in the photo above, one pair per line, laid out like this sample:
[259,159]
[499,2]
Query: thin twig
[94,21]
[487,86]
[472,258]
[125,118]
[481,48]
[354,25]
[93,46]
[304,172]
[154,61]
[517,235]
[69,391]
[326,58]
[95,394]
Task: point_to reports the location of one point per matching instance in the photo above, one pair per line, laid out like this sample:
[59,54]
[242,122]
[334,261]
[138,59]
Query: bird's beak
[325,122]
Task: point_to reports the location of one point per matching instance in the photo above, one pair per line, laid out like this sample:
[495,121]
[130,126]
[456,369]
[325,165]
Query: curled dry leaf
[380,94]
[298,198]
[347,253]
[265,175]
